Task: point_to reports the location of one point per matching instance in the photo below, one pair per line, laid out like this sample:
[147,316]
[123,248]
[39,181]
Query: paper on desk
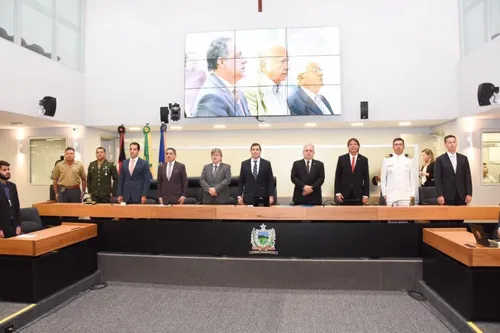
[26,236]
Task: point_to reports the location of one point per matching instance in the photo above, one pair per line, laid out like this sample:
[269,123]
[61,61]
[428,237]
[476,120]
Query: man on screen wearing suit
[135,178]
[215,179]
[352,176]
[308,175]
[256,178]
[172,180]
[306,100]
[219,97]
[452,176]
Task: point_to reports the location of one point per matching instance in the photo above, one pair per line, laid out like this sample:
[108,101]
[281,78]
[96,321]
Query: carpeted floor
[127,307]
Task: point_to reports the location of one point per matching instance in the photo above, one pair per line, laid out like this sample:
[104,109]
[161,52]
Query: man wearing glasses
[306,99]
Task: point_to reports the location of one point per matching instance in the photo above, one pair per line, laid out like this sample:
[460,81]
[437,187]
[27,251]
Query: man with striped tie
[256,178]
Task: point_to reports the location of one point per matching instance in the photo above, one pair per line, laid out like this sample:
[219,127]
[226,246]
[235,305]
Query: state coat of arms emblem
[263,240]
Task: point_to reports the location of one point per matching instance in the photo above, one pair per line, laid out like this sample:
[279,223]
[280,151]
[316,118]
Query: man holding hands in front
[308,175]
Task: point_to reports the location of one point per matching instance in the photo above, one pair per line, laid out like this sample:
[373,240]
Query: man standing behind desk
[67,177]
[10,213]
[398,177]
[308,175]
[172,180]
[135,178]
[256,178]
[215,179]
[100,174]
[452,176]
[352,177]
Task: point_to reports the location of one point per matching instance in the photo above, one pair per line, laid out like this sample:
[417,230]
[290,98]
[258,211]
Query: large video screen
[266,72]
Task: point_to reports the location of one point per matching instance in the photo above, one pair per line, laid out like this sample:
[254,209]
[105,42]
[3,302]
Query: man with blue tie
[135,178]
[452,176]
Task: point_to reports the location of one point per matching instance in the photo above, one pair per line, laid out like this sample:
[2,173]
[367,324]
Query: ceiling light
[175,127]
[264,125]
[219,126]
[310,124]
[134,129]
[405,123]
[357,124]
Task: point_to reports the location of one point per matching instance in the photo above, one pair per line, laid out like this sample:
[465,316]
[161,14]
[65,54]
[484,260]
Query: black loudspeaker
[364,110]
[164,114]
[48,106]
[484,93]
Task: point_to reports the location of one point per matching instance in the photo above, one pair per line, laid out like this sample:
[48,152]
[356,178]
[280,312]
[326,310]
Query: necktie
[308,167]
[454,162]
[169,170]
[131,166]
[321,105]
[215,170]
[353,164]
[254,172]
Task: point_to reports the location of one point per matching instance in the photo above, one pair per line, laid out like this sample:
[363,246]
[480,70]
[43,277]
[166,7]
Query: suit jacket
[448,183]
[171,190]
[220,182]
[357,182]
[215,100]
[262,100]
[315,178]
[301,104]
[263,186]
[133,186]
[430,179]
[6,225]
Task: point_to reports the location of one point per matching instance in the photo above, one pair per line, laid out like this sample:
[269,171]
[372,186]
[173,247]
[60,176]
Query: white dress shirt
[130,163]
[453,159]
[231,88]
[171,168]
[252,164]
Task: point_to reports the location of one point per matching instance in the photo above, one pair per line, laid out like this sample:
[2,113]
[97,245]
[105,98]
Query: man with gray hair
[215,179]
[308,175]
[267,95]
[219,96]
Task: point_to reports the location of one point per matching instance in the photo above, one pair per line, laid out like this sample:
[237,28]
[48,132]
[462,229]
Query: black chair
[427,195]
[30,220]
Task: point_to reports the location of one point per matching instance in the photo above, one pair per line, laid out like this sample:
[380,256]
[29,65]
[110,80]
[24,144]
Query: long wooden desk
[285,213]
[466,277]
[47,240]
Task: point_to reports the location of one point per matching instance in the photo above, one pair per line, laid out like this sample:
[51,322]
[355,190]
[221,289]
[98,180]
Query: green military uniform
[99,181]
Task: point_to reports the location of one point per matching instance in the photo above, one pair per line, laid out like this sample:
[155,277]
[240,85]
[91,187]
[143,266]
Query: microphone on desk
[412,202]
[331,202]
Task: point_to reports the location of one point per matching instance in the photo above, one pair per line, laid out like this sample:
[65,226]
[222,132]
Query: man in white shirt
[398,177]
[306,99]
[266,94]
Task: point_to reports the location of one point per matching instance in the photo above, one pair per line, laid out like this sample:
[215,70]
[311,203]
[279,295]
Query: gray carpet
[9,308]
[488,327]
[128,307]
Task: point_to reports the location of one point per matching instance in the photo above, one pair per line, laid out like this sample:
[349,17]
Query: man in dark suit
[256,178]
[352,177]
[219,97]
[452,176]
[306,99]
[10,213]
[172,180]
[215,179]
[308,175]
[135,178]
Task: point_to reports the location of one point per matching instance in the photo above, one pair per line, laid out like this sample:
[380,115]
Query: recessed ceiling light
[175,127]
[357,124]
[134,129]
[405,123]
[264,125]
[219,126]
[310,124]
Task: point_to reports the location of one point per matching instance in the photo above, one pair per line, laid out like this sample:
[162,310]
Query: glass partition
[490,146]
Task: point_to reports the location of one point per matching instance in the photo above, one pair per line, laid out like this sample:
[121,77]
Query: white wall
[462,128]
[479,67]
[26,77]
[400,56]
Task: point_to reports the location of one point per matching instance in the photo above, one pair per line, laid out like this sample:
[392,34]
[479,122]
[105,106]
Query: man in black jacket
[256,178]
[308,175]
[452,176]
[352,177]
[10,213]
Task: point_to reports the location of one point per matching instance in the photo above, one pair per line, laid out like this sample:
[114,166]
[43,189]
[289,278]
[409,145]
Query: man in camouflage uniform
[102,178]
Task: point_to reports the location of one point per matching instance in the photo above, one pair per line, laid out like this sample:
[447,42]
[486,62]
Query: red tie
[352,164]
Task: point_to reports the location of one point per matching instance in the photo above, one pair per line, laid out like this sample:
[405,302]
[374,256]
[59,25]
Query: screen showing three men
[266,72]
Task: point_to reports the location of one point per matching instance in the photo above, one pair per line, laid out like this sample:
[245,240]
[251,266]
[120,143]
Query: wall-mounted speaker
[48,106]
[364,110]
[164,114]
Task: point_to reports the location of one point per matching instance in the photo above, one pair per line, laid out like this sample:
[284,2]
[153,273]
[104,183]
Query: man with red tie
[352,177]
[135,178]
